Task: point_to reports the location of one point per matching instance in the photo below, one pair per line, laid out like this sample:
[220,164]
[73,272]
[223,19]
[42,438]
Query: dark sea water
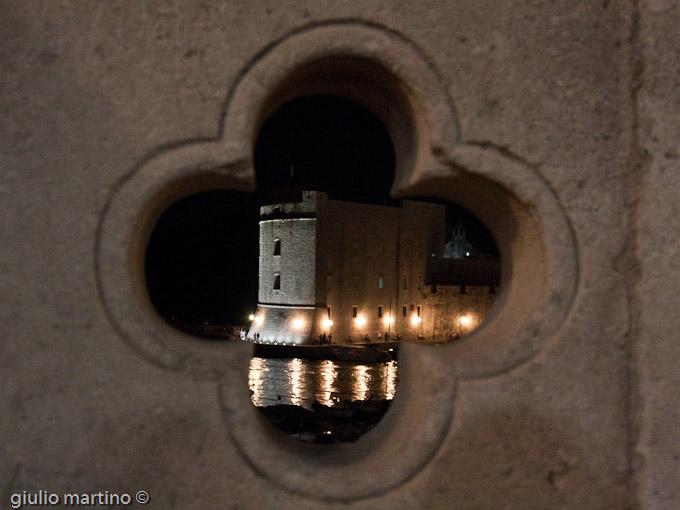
[302,382]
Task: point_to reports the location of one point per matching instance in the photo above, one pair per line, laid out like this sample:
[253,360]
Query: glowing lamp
[298,323]
[251,317]
[389,320]
[415,320]
[465,320]
[327,323]
[360,321]
[259,319]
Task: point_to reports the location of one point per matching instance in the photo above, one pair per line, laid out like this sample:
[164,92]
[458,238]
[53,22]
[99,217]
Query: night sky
[327,144]
[201,261]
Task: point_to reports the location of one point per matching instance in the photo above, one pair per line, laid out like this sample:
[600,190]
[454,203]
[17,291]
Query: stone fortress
[333,271]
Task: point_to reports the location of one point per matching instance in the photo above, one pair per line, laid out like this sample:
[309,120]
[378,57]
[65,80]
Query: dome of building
[459,247]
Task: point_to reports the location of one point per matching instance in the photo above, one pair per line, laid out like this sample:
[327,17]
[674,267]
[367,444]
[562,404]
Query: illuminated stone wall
[450,314]
[394,244]
[360,258]
[377,259]
[344,255]
[358,249]
[295,266]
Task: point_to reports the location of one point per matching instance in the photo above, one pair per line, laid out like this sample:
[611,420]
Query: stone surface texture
[585,94]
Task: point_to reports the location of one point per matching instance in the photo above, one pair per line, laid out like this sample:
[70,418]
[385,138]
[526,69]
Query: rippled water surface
[301,382]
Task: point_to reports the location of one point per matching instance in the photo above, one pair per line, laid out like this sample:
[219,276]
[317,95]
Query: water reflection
[328,374]
[257,375]
[389,380]
[302,382]
[360,383]
[295,375]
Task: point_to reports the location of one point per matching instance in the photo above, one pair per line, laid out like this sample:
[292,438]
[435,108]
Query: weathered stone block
[556,123]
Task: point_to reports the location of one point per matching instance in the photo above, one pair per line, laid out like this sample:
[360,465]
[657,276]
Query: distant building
[344,272]
[459,247]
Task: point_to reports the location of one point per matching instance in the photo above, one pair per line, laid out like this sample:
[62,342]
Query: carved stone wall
[556,123]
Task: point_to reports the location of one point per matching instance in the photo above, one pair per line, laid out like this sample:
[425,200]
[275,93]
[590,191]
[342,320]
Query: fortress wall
[279,324]
[360,248]
[422,232]
[362,244]
[296,265]
[444,310]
